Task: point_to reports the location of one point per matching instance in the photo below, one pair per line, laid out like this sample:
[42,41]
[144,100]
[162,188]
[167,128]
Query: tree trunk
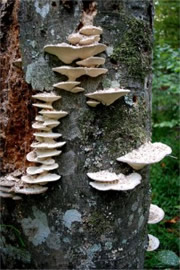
[73,226]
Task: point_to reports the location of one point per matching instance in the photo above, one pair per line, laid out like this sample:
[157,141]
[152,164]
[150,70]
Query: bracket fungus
[107,96]
[41,179]
[104,181]
[156,214]
[90,30]
[68,53]
[91,62]
[92,103]
[75,72]
[41,169]
[47,97]
[153,243]
[146,154]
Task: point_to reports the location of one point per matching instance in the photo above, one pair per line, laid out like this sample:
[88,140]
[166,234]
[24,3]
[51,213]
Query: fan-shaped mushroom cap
[77,89]
[89,40]
[68,86]
[107,97]
[5,189]
[50,122]
[5,182]
[43,105]
[123,183]
[91,62]
[5,195]
[41,179]
[156,214]
[75,72]
[74,38]
[90,30]
[16,198]
[45,153]
[47,135]
[29,189]
[146,154]
[47,97]
[68,53]
[71,72]
[48,145]
[32,157]
[39,118]
[103,176]
[43,168]
[53,114]
[40,126]
[153,243]
[92,103]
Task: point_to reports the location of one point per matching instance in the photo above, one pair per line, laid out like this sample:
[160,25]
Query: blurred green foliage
[165,175]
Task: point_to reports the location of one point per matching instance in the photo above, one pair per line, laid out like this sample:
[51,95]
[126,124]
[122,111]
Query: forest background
[165,128]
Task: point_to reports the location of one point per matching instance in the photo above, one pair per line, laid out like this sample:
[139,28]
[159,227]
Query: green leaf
[168,257]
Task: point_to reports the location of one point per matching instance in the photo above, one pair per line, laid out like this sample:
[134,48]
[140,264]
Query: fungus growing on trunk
[41,169]
[90,30]
[47,97]
[75,72]
[146,154]
[92,103]
[108,96]
[153,243]
[53,114]
[156,214]
[68,53]
[40,179]
[104,181]
[91,62]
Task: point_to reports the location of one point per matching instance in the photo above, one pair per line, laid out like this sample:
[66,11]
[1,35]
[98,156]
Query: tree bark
[72,226]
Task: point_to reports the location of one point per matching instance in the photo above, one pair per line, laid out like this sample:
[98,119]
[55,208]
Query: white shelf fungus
[153,243]
[146,154]
[40,179]
[68,53]
[105,181]
[156,214]
[108,96]
[91,62]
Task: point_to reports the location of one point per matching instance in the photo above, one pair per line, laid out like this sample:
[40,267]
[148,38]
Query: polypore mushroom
[41,169]
[146,154]
[29,189]
[68,53]
[74,38]
[153,243]
[51,144]
[75,72]
[47,97]
[43,105]
[89,40]
[103,176]
[108,96]
[122,183]
[32,157]
[68,86]
[91,62]
[5,195]
[77,89]
[51,135]
[46,153]
[39,126]
[92,103]
[90,30]
[53,114]
[41,179]
[156,214]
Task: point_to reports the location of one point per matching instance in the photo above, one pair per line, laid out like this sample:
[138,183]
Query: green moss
[134,49]
[99,223]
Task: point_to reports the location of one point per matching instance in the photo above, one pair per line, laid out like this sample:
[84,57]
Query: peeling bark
[17,112]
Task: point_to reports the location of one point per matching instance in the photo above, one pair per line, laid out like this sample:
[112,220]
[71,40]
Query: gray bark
[72,226]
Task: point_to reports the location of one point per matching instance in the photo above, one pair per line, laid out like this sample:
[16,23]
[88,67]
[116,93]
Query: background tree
[72,226]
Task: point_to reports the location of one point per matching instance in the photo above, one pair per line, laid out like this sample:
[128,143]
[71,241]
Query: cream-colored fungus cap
[91,62]
[92,103]
[68,53]
[53,114]
[153,243]
[47,97]
[108,96]
[90,30]
[156,214]
[41,179]
[41,169]
[146,154]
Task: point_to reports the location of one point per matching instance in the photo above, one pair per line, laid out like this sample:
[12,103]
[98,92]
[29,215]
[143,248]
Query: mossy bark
[73,226]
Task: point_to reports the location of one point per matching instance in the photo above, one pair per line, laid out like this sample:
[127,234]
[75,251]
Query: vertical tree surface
[73,226]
